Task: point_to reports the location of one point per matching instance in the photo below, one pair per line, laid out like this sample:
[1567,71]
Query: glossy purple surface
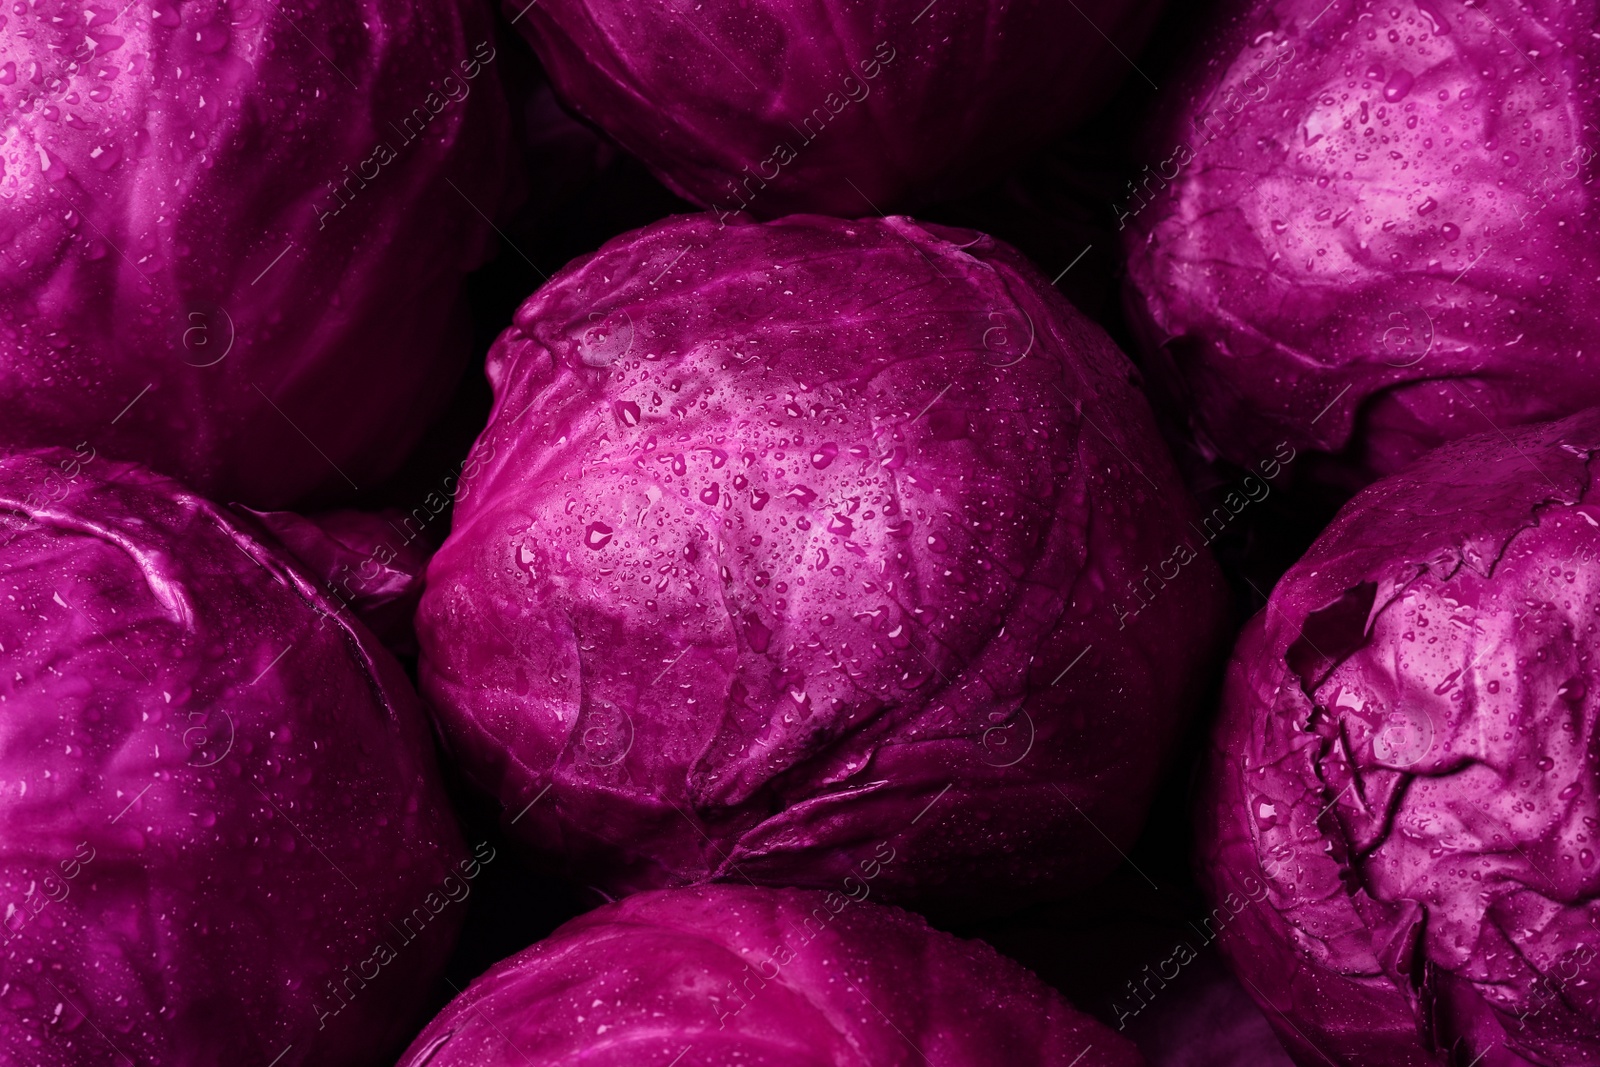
[821,105]
[217,798]
[1369,228]
[732,976]
[1403,800]
[788,539]
[229,243]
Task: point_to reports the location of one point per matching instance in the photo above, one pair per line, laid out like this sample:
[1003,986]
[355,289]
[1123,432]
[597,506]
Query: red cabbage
[217,794]
[1367,228]
[233,233]
[1401,813]
[788,538]
[764,977]
[844,108]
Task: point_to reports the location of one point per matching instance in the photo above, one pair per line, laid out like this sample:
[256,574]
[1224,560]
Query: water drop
[1398,86]
[1266,815]
[105,157]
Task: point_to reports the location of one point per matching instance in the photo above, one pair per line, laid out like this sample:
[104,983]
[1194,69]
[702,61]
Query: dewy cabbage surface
[217,794]
[1405,779]
[794,538]
[765,978]
[229,243]
[1370,227]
